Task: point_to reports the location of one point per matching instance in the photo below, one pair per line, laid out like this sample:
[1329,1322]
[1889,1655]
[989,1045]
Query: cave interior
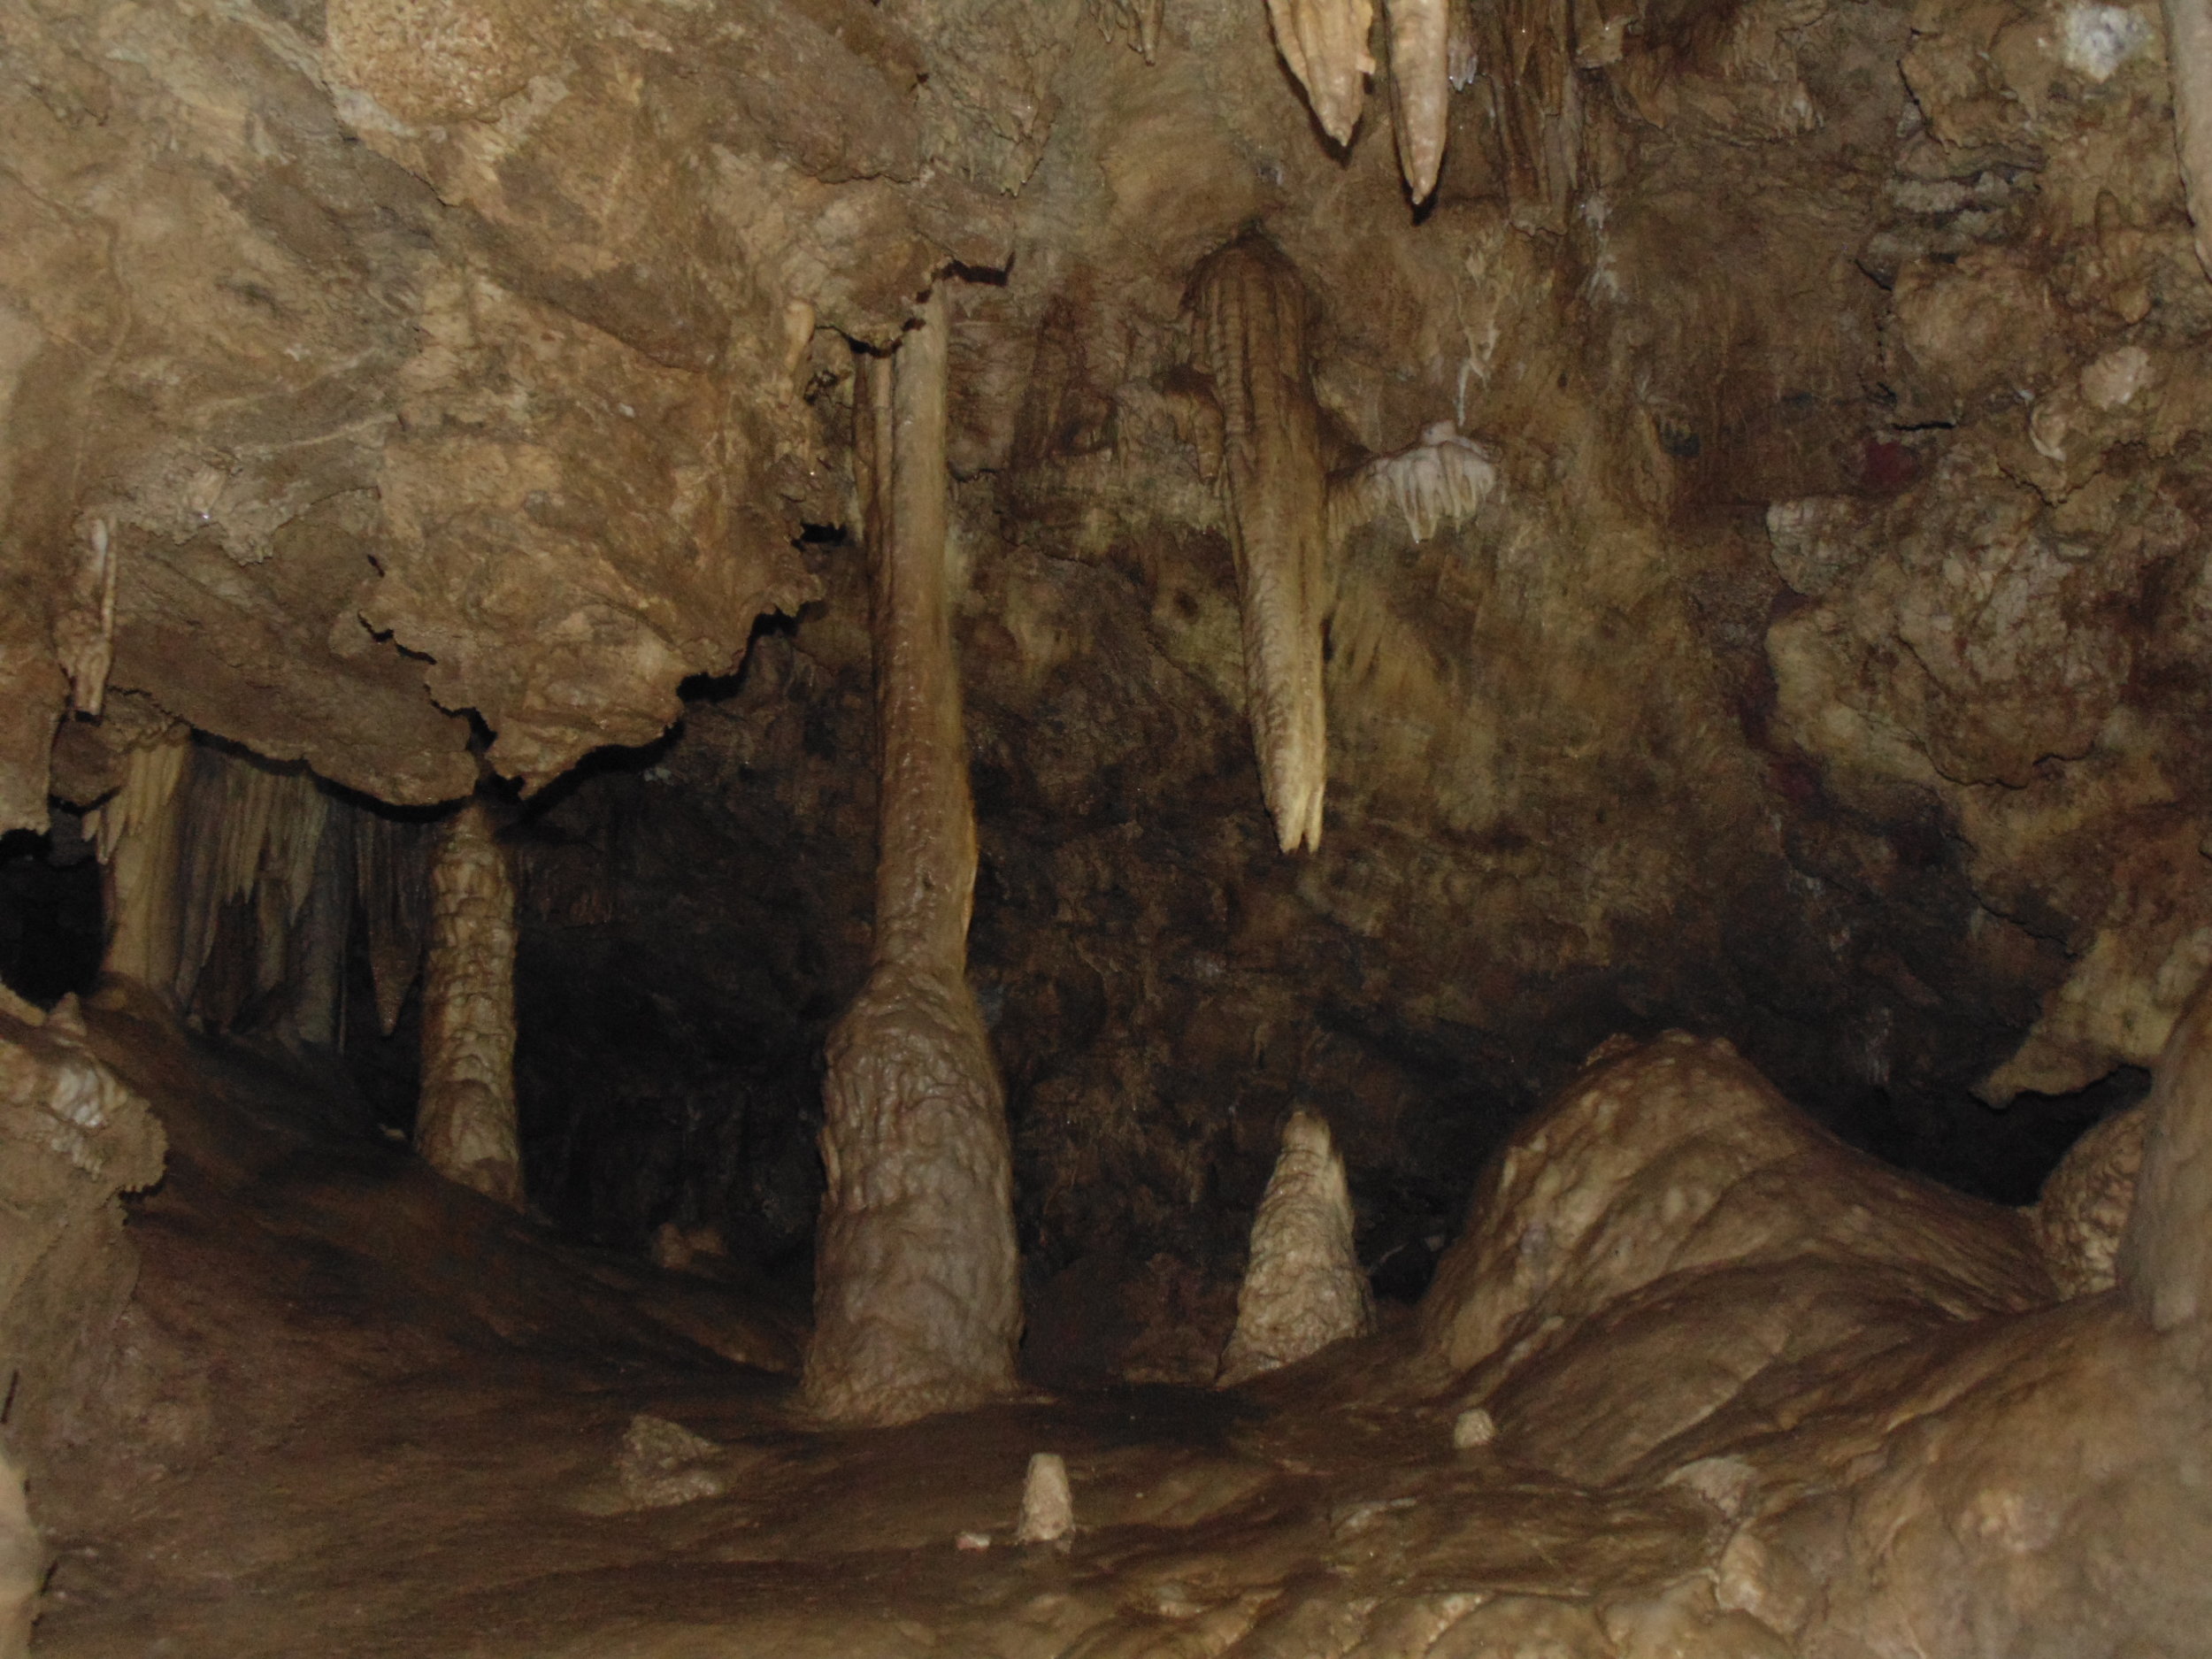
[1298,829]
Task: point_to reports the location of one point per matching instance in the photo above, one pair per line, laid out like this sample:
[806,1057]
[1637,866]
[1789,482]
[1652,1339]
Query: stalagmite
[2083,1210]
[1251,310]
[1420,88]
[464,1127]
[1048,1502]
[138,831]
[916,1306]
[1325,42]
[2189,54]
[1302,1286]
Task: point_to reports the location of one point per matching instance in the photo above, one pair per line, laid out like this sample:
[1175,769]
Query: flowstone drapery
[917,1307]
[464,1127]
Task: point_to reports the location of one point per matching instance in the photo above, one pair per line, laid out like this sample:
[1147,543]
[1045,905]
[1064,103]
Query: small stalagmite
[1251,310]
[1302,1285]
[464,1127]
[1047,1502]
[917,1305]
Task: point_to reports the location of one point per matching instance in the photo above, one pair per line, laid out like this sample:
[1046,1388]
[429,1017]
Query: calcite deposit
[916,1304]
[1302,1286]
[464,1125]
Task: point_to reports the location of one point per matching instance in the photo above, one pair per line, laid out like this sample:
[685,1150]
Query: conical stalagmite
[1302,1286]
[917,1307]
[464,1127]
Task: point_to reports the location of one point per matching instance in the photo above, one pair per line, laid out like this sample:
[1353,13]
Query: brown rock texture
[73,1137]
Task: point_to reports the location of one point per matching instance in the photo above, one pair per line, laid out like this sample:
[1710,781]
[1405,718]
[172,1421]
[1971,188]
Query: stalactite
[1302,1286]
[1325,42]
[138,831]
[319,943]
[1526,49]
[391,875]
[1443,480]
[1420,88]
[1251,312]
[247,828]
[84,632]
[2189,54]
[917,1307]
[465,1127]
[1139,19]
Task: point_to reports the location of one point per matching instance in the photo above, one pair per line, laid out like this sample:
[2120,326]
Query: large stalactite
[917,1305]
[1251,312]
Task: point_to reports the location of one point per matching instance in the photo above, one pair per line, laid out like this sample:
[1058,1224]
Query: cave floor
[360,1418]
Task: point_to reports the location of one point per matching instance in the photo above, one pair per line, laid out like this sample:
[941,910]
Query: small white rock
[1047,1505]
[1473,1427]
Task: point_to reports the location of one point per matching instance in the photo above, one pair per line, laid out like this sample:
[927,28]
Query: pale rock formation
[1671,1176]
[1420,86]
[2189,55]
[84,632]
[2083,1210]
[1302,1286]
[1325,42]
[138,832]
[464,1124]
[1047,1514]
[1961,1467]
[658,1468]
[22,1565]
[1440,481]
[1251,317]
[916,1304]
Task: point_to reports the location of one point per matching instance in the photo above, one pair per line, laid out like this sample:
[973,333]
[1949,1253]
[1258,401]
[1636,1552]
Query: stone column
[465,1127]
[917,1305]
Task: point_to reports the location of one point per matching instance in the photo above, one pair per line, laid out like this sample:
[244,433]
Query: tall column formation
[464,1127]
[138,832]
[2189,55]
[1251,312]
[915,1303]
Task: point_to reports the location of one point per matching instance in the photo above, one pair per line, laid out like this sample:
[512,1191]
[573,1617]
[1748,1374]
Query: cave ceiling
[1761,587]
